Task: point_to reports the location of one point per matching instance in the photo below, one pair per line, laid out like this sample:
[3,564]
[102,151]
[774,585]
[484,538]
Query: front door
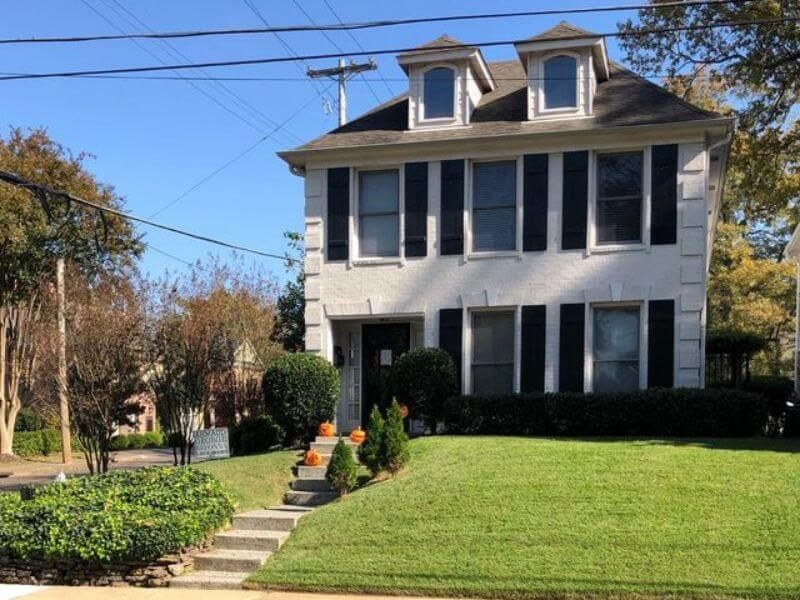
[382,345]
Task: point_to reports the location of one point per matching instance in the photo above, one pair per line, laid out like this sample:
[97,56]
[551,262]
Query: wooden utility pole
[341,74]
[66,436]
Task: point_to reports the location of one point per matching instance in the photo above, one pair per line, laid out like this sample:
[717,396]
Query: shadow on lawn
[790,445]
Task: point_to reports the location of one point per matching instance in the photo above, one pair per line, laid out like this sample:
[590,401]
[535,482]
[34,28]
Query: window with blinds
[378,213]
[492,353]
[494,206]
[619,198]
[616,349]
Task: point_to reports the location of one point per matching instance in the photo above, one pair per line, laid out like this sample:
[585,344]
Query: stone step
[302,510]
[209,580]
[311,484]
[309,498]
[328,446]
[267,520]
[250,539]
[241,561]
[331,440]
[305,472]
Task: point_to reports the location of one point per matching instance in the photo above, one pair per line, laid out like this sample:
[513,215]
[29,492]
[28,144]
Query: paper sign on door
[386,358]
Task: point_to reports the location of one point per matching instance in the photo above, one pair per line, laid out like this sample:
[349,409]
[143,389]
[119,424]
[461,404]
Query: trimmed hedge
[39,443]
[137,441]
[253,436]
[124,515]
[680,412]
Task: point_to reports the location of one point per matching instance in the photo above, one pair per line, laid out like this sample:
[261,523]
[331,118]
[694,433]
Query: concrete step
[302,510]
[309,498]
[209,580]
[241,561]
[331,440]
[311,484]
[267,520]
[328,446]
[250,539]
[304,472]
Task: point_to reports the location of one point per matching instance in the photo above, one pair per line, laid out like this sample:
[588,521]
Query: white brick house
[547,220]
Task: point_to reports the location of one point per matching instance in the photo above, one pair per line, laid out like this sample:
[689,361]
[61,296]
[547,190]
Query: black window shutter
[451,336]
[570,350]
[534,194]
[338,213]
[573,211]
[664,203]
[660,343]
[452,217]
[416,208]
[533,349]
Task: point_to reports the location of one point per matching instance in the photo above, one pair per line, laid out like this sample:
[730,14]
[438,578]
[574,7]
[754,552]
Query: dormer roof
[445,48]
[566,35]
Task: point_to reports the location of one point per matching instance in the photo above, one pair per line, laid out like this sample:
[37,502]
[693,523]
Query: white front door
[349,411]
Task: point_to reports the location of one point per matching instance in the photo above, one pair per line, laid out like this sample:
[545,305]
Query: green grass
[256,481]
[543,518]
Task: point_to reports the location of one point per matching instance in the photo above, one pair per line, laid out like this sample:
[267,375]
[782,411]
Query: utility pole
[66,436]
[341,74]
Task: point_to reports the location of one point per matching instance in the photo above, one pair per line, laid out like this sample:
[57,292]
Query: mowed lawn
[257,481]
[545,518]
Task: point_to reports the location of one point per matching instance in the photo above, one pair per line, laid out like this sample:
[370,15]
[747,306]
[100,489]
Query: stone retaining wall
[72,572]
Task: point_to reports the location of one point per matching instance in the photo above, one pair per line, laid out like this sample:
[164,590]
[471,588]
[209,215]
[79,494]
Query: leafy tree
[423,379]
[342,470]
[33,234]
[370,451]
[291,326]
[394,452]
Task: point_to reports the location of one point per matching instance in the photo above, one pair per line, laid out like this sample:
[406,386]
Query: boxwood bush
[121,516]
[255,435]
[656,412]
[39,443]
[137,441]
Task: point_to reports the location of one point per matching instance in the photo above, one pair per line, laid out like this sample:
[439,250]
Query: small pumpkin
[326,429]
[404,411]
[358,435]
[312,459]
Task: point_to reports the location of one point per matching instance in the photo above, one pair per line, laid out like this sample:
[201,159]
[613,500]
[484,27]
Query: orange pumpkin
[403,411]
[358,435]
[312,458]
[326,429]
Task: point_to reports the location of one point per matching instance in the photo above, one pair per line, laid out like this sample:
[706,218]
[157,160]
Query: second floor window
[494,206]
[378,213]
[619,198]
[560,82]
[438,101]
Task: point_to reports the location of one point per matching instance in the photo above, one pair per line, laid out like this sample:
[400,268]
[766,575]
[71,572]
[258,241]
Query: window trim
[595,247]
[421,101]
[541,99]
[355,216]
[469,343]
[516,251]
[641,306]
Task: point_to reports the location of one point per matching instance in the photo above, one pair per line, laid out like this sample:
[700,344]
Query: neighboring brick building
[547,220]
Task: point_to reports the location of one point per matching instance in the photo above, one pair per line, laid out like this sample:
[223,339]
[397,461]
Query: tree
[106,350]
[342,471]
[423,379]
[370,451]
[290,329]
[395,440]
[34,232]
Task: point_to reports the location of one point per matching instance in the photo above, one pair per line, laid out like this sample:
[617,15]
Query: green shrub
[137,441]
[342,469]
[682,412]
[122,515]
[370,451]
[39,443]
[153,439]
[120,442]
[28,420]
[300,392]
[395,440]
[423,379]
[253,436]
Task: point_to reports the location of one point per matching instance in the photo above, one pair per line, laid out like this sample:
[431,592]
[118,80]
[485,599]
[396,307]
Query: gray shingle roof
[625,99]
[560,31]
[441,43]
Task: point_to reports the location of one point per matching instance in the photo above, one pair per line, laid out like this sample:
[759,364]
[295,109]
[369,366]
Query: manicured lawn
[524,518]
[256,481]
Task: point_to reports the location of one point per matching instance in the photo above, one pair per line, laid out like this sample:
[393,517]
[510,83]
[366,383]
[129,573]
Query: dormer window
[438,96]
[560,82]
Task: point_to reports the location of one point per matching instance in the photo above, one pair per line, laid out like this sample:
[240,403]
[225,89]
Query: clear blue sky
[152,140]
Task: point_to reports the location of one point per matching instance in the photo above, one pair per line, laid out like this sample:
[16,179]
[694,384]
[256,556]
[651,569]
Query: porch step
[332,439]
[209,580]
[240,561]
[311,484]
[250,539]
[309,498]
[327,447]
[304,472]
[268,520]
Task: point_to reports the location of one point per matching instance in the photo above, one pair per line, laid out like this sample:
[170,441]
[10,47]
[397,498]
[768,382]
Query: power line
[307,57]
[167,254]
[16,180]
[369,24]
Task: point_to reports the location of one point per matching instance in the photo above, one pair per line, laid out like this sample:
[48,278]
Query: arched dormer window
[560,82]
[439,90]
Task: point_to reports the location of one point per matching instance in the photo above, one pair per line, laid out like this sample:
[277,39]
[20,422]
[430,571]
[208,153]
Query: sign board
[386,358]
[210,444]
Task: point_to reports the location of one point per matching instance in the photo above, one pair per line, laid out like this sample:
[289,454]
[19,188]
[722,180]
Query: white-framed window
[492,362]
[494,206]
[379,213]
[560,86]
[615,348]
[619,199]
[438,93]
